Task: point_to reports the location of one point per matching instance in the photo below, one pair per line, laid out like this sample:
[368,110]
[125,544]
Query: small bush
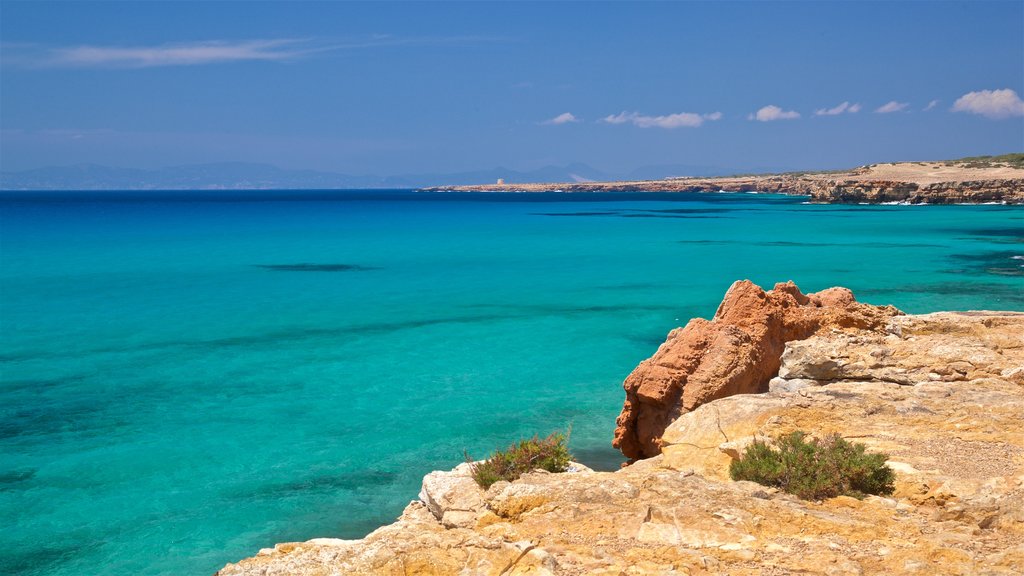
[549,454]
[815,469]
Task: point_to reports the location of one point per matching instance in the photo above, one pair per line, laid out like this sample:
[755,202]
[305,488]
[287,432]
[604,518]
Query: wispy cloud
[771,112]
[178,54]
[844,108]
[892,106]
[203,52]
[930,105]
[995,104]
[563,118]
[669,121]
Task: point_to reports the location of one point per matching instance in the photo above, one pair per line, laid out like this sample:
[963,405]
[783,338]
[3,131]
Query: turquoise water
[189,377]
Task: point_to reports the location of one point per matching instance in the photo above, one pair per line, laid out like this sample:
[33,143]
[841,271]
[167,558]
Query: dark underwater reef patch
[35,385]
[645,341]
[10,479]
[678,216]
[315,267]
[34,419]
[1000,263]
[623,214]
[683,210]
[604,213]
[995,239]
[1017,232]
[42,557]
[853,245]
[1003,292]
[325,483]
[646,213]
[1001,234]
[787,244]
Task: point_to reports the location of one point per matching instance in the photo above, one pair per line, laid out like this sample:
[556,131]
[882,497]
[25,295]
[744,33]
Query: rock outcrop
[942,394]
[1010,191]
[736,352]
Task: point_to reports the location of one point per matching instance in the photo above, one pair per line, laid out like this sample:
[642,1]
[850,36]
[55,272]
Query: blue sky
[392,88]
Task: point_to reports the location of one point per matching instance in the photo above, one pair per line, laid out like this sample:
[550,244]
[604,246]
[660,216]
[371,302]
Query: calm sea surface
[188,377]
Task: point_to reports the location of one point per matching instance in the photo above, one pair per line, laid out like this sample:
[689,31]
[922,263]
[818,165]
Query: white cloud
[563,118]
[845,107]
[772,112]
[621,118]
[993,104]
[678,120]
[931,105]
[205,52]
[184,54]
[892,106]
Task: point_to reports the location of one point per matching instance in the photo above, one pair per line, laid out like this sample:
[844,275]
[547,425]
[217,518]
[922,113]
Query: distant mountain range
[240,176]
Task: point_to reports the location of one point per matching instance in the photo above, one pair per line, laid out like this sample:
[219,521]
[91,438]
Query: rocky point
[942,394]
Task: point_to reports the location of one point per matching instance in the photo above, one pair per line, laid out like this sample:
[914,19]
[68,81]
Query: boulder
[737,352]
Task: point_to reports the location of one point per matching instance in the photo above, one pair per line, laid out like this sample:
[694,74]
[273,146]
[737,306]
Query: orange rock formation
[737,352]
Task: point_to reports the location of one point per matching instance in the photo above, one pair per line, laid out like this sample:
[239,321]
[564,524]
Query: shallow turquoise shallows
[188,377]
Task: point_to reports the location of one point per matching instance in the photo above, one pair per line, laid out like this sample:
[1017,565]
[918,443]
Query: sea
[187,377]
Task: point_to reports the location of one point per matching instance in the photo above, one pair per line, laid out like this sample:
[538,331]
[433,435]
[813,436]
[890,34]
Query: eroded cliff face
[736,352]
[1010,191]
[942,394]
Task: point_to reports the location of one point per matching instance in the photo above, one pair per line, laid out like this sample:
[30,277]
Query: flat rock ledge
[942,394]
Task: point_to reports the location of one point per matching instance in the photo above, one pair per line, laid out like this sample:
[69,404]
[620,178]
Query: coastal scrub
[550,453]
[815,469]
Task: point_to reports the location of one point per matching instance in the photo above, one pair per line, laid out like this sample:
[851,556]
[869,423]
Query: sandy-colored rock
[453,497]
[737,352]
[956,444]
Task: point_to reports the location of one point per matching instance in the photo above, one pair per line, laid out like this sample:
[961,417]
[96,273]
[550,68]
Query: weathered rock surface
[942,394]
[1010,191]
[736,352]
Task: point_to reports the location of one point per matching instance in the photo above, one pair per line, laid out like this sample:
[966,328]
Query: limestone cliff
[1010,191]
[942,394]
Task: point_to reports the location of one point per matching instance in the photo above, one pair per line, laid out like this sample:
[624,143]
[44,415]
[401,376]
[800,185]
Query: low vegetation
[1015,160]
[551,454]
[815,469]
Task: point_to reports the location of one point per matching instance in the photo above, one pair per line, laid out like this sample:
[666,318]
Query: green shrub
[549,454]
[815,469]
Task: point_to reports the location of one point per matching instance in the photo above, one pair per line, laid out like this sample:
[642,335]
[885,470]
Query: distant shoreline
[968,181]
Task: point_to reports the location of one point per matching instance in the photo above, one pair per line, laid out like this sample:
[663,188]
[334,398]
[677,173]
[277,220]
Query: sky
[394,88]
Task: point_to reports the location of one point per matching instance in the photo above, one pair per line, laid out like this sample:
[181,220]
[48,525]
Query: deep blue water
[186,377]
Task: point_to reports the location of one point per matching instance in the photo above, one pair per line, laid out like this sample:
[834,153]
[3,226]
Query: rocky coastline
[942,394]
[903,183]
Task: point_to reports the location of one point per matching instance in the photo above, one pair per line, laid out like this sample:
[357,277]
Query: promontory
[978,180]
[941,395]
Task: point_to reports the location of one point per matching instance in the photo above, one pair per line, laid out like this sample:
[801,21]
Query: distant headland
[975,180]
